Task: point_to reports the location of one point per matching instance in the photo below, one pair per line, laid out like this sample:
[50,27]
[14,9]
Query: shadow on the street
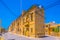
[43,37]
[11,39]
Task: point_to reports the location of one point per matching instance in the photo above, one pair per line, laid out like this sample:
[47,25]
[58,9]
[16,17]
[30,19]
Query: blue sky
[10,10]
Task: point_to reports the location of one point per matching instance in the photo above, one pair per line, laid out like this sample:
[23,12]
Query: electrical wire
[48,6]
[52,4]
[8,8]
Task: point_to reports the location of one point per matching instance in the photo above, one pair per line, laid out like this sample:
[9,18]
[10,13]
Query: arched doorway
[27,30]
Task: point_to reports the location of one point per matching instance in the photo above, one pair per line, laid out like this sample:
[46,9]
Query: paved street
[9,36]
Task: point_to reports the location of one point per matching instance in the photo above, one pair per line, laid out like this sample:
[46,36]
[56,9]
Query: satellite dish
[40,6]
[53,21]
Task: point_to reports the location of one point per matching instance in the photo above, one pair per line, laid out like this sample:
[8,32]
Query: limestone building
[48,27]
[30,23]
[52,29]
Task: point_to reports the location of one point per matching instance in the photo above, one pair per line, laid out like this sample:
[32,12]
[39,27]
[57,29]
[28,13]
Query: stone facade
[30,23]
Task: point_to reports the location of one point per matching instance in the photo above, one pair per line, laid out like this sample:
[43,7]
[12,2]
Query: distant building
[52,29]
[48,27]
[30,23]
[2,30]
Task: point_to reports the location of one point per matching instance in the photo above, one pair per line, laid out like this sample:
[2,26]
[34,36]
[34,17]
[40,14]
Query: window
[20,21]
[31,16]
[27,27]
[31,30]
[23,20]
[23,31]
[27,18]
[58,28]
[18,24]
[12,29]
[18,29]
[53,29]
[46,25]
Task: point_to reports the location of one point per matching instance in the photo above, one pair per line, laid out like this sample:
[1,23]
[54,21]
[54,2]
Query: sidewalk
[9,36]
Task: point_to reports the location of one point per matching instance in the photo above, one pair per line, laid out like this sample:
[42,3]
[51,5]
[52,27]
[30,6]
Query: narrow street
[9,36]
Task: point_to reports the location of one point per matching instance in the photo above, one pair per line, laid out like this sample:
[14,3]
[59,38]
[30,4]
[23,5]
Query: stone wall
[55,34]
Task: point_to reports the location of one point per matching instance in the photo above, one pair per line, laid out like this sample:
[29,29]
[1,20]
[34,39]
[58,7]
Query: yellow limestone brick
[30,23]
